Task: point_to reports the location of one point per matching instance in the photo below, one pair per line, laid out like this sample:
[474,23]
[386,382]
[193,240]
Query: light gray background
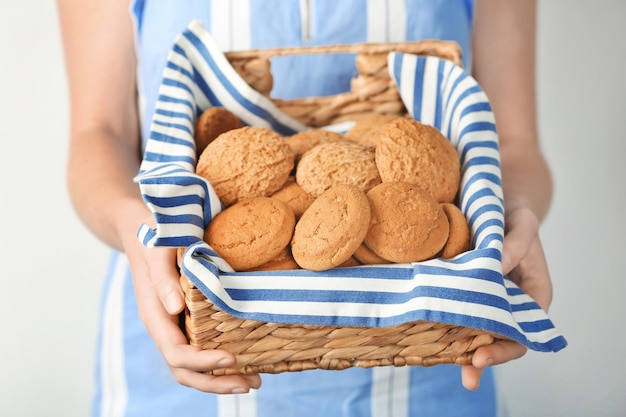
[51,267]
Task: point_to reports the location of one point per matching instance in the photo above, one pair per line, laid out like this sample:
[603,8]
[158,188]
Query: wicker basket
[274,348]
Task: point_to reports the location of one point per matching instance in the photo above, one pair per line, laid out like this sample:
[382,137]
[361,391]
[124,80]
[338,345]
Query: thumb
[522,227]
[166,279]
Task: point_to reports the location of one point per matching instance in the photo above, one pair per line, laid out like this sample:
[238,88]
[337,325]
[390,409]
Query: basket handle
[448,50]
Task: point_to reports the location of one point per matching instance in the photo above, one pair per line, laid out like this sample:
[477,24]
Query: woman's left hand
[524,262]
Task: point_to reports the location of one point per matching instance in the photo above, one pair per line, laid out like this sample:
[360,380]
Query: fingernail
[239,391]
[172,303]
[225,363]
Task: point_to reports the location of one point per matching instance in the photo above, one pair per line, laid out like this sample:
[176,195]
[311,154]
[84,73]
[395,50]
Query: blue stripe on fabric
[528,306]
[179,218]
[489,182]
[177,84]
[486,208]
[472,255]
[236,94]
[482,106]
[176,126]
[477,127]
[197,77]
[451,107]
[438,105]
[482,160]
[162,137]
[418,88]
[486,144]
[485,241]
[482,274]
[488,223]
[466,93]
[536,326]
[173,114]
[176,241]
[168,171]
[165,158]
[176,201]
[367,297]
[167,99]
[513,291]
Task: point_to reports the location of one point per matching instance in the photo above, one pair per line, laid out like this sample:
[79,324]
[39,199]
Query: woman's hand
[160,300]
[524,262]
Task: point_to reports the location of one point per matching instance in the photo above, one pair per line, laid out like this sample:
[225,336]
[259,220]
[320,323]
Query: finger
[470,377]
[166,279]
[228,384]
[169,338]
[497,353]
[533,275]
[522,227]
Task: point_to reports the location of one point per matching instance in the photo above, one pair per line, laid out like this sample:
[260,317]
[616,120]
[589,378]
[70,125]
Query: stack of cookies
[382,193]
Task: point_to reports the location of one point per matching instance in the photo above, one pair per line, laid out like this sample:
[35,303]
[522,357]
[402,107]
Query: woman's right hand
[160,300]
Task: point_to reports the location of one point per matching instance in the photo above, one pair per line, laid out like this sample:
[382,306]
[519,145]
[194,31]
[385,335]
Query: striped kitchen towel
[468,290]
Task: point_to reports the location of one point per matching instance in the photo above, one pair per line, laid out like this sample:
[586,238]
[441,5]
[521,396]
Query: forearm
[504,65]
[100,182]
[104,151]
[526,178]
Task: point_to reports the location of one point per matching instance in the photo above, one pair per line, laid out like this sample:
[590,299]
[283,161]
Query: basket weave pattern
[275,348]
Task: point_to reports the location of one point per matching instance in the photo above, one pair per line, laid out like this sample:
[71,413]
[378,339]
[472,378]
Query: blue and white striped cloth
[468,290]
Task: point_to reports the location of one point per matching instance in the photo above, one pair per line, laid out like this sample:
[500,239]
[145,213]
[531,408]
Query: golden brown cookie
[366,257]
[407,224]
[251,232]
[352,261]
[341,162]
[364,130]
[211,123]
[294,196]
[412,152]
[459,238]
[284,261]
[246,162]
[331,229]
[307,139]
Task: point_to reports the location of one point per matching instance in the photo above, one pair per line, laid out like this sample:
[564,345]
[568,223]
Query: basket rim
[449,50]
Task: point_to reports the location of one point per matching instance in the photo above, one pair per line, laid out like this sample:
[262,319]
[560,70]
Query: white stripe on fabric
[240,405]
[242,38]
[221,20]
[430,92]
[407,79]
[306,26]
[397,20]
[230,24]
[182,61]
[114,392]
[376,20]
[386,20]
[390,391]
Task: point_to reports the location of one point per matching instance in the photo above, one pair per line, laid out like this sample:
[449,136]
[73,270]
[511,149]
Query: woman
[115,52]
